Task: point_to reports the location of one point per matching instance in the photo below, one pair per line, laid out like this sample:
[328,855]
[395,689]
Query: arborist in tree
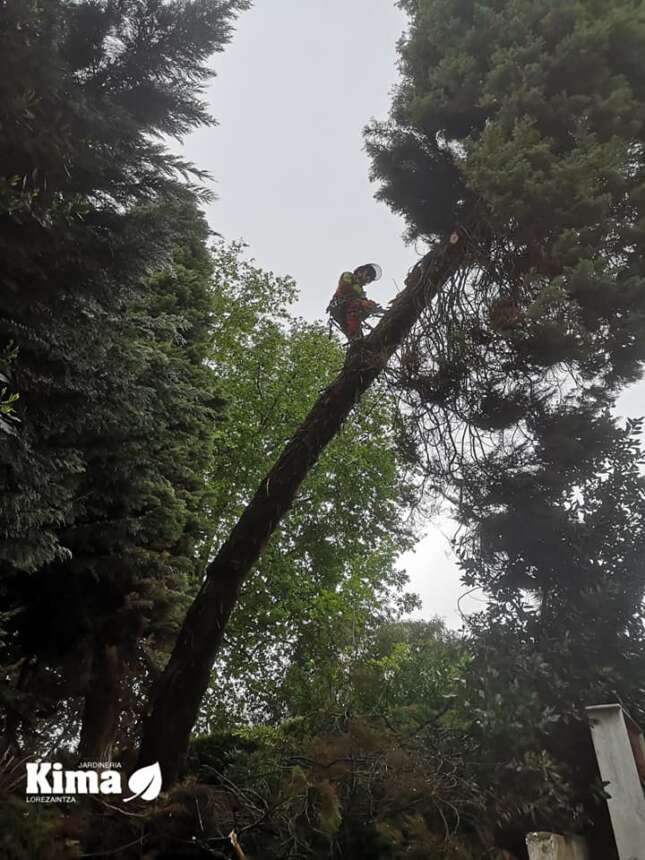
[350,305]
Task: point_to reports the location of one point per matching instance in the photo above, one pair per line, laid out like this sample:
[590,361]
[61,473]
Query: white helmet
[378,271]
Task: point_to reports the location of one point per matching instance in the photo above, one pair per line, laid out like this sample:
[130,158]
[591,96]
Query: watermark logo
[145,783]
[48,782]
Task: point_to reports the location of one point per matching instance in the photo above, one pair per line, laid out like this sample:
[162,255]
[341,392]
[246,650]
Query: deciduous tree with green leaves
[330,574]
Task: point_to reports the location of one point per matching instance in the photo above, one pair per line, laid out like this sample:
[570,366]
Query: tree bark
[176,699]
[102,705]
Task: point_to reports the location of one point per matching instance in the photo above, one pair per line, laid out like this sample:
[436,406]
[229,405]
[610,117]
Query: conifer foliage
[536,113]
[104,314]
[533,114]
[89,205]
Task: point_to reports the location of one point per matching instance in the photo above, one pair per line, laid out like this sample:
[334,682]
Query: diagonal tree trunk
[176,699]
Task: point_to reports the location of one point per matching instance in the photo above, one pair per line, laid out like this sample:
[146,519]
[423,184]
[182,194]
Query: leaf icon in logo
[145,783]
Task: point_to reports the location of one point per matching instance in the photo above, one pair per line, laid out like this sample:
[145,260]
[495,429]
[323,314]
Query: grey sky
[294,90]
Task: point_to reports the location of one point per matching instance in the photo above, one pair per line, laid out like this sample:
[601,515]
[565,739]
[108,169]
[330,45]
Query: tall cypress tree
[100,472]
[86,89]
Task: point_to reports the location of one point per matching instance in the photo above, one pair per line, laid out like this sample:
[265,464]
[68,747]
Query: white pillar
[552,846]
[617,765]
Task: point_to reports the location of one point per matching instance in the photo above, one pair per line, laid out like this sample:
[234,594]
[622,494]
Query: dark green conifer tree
[532,116]
[86,91]
[100,482]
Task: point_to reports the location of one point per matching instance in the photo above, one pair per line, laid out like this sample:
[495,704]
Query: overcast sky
[293,91]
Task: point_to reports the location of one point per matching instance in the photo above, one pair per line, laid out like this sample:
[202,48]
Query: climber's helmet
[368,273]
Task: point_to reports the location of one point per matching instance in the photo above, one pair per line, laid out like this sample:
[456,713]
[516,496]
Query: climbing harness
[336,309]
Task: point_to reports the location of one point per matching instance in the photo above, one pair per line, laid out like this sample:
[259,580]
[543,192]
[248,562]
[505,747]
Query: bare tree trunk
[102,704]
[176,700]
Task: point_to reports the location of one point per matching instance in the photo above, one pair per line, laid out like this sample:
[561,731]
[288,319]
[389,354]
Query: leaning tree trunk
[177,697]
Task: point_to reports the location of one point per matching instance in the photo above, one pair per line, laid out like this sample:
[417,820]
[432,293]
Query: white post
[552,846]
[617,765]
